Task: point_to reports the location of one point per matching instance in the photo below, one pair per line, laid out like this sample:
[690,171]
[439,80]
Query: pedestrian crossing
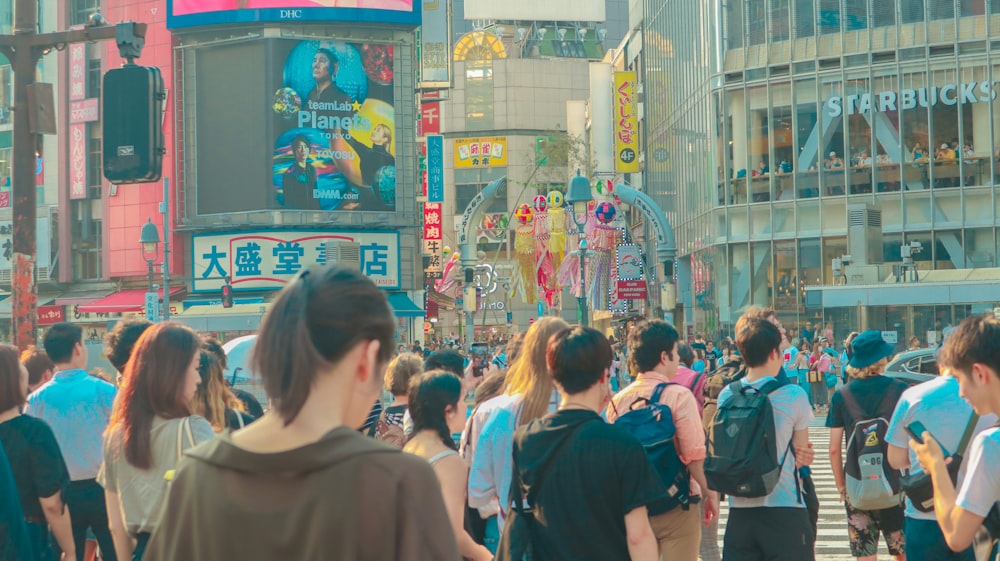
[831,541]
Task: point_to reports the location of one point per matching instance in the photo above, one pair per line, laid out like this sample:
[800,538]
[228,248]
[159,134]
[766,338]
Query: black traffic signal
[227,294]
[133,124]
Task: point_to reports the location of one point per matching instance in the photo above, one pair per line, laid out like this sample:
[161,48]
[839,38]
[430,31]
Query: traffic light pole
[24,49]
[165,208]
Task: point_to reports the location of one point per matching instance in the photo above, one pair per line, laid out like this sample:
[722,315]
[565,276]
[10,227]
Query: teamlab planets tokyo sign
[336,133]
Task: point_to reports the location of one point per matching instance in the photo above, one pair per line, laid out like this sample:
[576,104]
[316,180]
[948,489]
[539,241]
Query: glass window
[756,22]
[882,17]
[828,16]
[739,259]
[856,15]
[86,234]
[835,163]
[857,105]
[759,128]
[810,272]
[948,250]
[779,20]
[808,218]
[736,133]
[911,11]
[95,169]
[917,210]
[803,16]
[980,248]
[81,10]
[892,210]
[479,94]
[468,184]
[940,9]
[6,155]
[787,299]
[890,248]
[762,274]
[782,141]
[94,75]
[887,151]
[978,207]
[945,133]
[807,136]
[832,248]
[915,132]
[948,209]
[734,25]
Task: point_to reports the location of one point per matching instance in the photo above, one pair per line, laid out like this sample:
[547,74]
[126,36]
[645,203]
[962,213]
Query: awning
[8,300]
[81,298]
[122,302]
[403,307]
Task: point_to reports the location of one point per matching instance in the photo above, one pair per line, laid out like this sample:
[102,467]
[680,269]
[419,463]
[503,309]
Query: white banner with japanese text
[267,259]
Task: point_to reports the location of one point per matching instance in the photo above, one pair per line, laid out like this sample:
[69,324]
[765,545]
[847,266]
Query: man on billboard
[299,182]
[326,92]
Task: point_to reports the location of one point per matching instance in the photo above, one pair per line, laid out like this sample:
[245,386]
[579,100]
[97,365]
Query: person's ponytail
[430,394]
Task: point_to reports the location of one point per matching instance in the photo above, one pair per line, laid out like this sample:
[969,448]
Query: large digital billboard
[188,13]
[328,131]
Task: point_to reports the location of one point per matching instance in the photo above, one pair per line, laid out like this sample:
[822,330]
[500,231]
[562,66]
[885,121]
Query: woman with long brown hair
[215,400]
[151,425]
[529,394]
[36,461]
[301,482]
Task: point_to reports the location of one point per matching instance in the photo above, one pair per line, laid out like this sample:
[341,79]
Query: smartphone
[479,352]
[916,430]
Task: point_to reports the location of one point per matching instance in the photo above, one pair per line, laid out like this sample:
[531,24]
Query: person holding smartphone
[970,352]
[937,405]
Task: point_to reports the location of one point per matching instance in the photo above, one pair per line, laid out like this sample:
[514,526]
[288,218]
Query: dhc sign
[948,94]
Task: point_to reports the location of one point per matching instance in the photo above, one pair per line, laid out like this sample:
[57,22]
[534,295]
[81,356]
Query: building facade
[783,120]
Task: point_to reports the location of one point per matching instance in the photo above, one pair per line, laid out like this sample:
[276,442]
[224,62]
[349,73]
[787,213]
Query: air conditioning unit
[346,254]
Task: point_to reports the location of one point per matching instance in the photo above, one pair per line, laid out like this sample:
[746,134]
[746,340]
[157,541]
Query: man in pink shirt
[653,346]
[689,378]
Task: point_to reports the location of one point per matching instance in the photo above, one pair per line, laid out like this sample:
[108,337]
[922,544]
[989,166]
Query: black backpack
[722,377]
[872,484]
[654,426]
[742,451]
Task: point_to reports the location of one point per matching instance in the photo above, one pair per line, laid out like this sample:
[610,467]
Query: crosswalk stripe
[831,543]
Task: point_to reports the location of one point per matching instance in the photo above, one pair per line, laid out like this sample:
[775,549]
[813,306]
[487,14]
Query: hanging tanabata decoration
[524,274]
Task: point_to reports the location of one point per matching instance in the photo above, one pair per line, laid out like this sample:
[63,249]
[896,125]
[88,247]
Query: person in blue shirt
[77,406]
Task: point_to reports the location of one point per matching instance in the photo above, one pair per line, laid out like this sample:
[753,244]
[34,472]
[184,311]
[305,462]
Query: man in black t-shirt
[587,482]
[711,357]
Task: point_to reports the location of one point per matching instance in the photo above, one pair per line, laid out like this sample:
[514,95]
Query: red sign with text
[51,315]
[632,290]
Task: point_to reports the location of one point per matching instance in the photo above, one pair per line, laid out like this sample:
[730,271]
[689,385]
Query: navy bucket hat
[868,348]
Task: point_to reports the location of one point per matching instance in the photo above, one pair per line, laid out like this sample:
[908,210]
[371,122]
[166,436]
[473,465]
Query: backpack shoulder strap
[697,379]
[853,407]
[658,392]
[517,494]
[967,435]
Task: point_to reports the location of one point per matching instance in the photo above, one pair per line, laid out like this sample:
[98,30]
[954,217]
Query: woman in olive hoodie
[301,482]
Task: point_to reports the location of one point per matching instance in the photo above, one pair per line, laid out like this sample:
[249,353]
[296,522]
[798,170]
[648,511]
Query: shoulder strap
[967,435]
[183,429]
[697,378]
[517,495]
[239,419]
[658,392]
[853,408]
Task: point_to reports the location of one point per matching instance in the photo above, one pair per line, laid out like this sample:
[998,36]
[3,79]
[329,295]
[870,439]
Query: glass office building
[773,117]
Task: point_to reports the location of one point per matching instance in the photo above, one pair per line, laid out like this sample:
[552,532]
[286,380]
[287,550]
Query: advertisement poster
[185,13]
[480,152]
[626,123]
[335,145]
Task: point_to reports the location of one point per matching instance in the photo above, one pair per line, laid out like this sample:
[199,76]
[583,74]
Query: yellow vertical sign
[626,123]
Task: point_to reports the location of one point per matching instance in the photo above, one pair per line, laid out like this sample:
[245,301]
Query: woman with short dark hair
[301,482]
[37,463]
[151,425]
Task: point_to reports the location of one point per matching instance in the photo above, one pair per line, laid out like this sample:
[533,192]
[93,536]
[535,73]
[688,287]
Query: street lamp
[149,239]
[579,196]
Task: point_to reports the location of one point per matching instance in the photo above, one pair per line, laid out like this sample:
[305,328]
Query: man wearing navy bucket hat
[868,485]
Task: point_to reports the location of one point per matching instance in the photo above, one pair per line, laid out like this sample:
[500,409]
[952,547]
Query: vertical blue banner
[435,168]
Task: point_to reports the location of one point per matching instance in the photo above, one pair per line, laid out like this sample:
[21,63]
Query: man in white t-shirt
[972,354]
[776,526]
[939,407]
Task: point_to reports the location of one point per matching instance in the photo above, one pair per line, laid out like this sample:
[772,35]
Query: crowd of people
[572,447]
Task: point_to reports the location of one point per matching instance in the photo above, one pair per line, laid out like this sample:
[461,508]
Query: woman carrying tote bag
[151,425]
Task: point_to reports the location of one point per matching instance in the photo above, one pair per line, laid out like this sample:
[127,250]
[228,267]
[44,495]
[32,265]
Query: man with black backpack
[757,438]
[869,486]
[669,426]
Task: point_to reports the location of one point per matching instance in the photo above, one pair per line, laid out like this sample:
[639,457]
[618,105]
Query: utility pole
[24,49]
